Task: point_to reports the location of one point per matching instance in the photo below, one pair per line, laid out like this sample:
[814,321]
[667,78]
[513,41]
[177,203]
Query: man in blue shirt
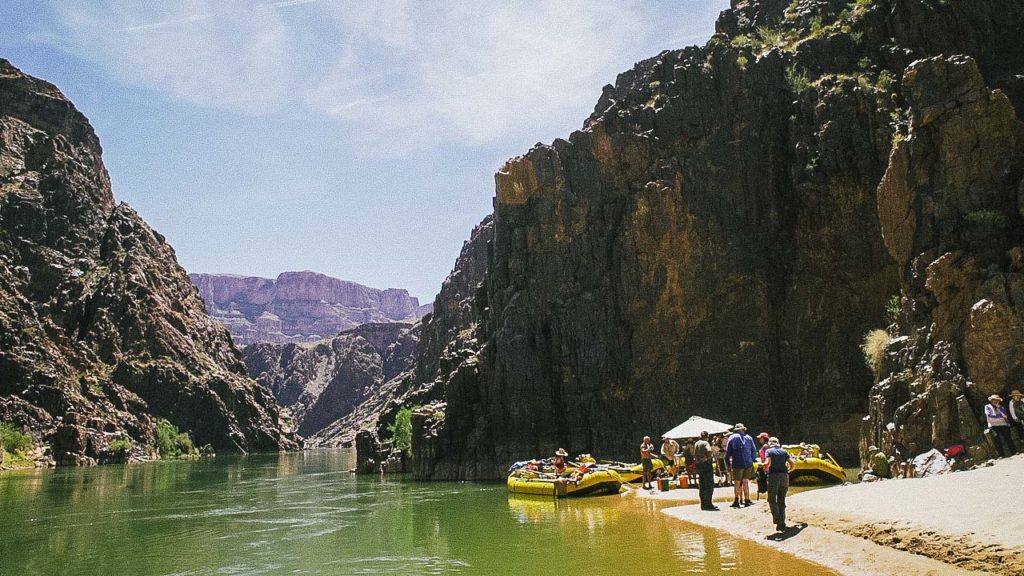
[740,454]
[778,463]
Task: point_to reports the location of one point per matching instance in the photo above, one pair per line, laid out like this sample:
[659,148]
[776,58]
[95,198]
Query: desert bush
[172,443]
[873,348]
[14,441]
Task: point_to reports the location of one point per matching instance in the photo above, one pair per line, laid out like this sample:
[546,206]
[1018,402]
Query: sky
[359,140]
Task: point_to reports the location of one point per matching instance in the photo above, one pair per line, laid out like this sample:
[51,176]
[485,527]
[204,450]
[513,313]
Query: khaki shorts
[743,474]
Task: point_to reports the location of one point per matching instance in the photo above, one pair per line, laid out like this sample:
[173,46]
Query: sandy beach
[958,523]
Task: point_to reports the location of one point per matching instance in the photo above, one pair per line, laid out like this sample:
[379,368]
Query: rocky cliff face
[710,242]
[446,341]
[324,382]
[298,306]
[100,329]
[951,207]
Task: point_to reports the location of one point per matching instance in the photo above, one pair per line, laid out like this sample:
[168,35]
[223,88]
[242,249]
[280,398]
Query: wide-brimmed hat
[739,426]
[764,435]
[872,448]
[773,441]
[1016,393]
[561,452]
[994,397]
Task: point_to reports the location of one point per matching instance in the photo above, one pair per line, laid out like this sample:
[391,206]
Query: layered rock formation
[324,382]
[299,306]
[951,206]
[446,342]
[100,329]
[710,242]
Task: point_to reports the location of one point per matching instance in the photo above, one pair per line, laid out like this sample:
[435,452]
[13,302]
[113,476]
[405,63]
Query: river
[303,513]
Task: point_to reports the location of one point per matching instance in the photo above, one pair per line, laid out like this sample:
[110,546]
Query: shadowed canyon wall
[709,243]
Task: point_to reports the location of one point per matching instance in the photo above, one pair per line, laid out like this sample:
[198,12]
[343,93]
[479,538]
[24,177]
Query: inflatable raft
[811,467]
[632,473]
[578,484]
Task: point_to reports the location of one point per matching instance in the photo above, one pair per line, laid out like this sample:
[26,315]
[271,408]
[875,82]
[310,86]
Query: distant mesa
[299,306]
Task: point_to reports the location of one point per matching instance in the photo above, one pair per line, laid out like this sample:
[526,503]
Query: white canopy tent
[694,426]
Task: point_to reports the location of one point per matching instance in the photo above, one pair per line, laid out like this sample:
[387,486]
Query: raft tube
[589,484]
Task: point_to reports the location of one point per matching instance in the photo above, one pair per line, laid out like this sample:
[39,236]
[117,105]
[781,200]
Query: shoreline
[957,524]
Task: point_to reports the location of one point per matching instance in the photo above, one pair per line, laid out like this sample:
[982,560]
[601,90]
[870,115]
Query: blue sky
[355,139]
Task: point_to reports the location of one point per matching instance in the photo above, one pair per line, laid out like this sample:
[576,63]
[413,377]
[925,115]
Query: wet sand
[958,523]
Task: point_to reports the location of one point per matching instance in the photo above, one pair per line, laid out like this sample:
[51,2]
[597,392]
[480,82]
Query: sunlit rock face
[299,306]
[951,207]
[710,241]
[101,331]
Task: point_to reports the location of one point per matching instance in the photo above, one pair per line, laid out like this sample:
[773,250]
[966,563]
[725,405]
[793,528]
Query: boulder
[931,463]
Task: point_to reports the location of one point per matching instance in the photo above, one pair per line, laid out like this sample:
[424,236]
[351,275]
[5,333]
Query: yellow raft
[631,473]
[587,484]
[810,467]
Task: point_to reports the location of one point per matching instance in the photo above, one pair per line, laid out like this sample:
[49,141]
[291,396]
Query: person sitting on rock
[878,465]
[999,426]
[1017,412]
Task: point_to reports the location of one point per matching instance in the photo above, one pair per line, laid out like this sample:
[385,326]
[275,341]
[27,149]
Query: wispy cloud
[399,74]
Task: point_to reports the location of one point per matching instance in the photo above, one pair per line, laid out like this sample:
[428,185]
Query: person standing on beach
[718,445]
[999,424]
[669,449]
[740,454]
[778,464]
[1017,412]
[702,457]
[646,448]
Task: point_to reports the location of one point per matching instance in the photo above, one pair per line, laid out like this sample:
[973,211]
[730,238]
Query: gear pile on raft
[560,477]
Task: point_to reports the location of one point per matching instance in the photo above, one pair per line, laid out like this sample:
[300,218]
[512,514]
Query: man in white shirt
[999,425]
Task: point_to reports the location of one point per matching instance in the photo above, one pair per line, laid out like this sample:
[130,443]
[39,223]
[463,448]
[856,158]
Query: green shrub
[172,443]
[885,80]
[14,440]
[121,447]
[401,429]
[873,348]
[986,219]
[892,308]
[816,25]
[797,80]
[770,36]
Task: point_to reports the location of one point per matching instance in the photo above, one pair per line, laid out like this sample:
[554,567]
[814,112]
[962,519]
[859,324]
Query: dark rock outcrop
[100,329]
[952,213]
[709,242]
[324,382]
[447,344]
[299,306]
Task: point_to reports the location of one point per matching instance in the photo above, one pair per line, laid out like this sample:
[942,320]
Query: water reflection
[303,513]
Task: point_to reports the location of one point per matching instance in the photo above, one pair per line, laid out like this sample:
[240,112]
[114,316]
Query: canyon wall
[299,306]
[952,213]
[710,242]
[325,382]
[101,331]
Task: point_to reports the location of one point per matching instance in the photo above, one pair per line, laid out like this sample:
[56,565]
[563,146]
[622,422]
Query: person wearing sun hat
[560,456]
[740,454]
[1017,412]
[999,426]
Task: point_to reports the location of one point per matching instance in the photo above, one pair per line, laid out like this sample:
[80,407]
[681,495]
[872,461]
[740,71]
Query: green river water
[303,513]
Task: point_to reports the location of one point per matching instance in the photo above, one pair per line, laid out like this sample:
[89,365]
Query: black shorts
[647,464]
